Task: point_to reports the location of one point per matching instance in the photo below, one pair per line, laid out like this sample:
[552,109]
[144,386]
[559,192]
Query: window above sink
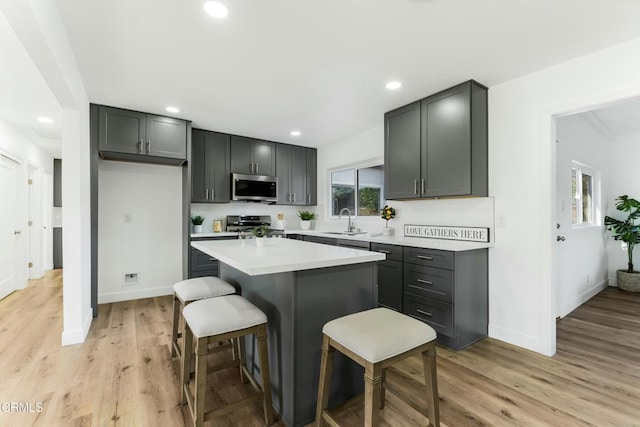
[361,190]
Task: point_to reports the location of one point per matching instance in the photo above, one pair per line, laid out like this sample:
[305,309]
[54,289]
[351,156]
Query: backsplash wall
[220,211]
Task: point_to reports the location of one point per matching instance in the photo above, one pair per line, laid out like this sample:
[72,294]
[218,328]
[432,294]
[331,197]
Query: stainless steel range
[247,222]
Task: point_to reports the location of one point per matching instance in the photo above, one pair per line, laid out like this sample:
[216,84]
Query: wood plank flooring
[123,374]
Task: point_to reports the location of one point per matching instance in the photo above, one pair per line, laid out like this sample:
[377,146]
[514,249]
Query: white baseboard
[78,336]
[568,307]
[516,338]
[134,294]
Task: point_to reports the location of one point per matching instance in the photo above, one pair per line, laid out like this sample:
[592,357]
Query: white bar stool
[218,319]
[190,290]
[376,339]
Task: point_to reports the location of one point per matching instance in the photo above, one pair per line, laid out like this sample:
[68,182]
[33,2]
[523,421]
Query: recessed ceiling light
[393,85]
[173,110]
[216,9]
[295,133]
[46,120]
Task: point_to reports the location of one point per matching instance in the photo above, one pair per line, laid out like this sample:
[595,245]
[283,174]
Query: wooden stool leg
[382,393]
[431,381]
[241,355]
[372,386]
[324,387]
[176,319]
[185,372]
[202,348]
[266,377]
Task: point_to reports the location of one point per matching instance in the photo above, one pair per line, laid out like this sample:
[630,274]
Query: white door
[10,232]
[563,224]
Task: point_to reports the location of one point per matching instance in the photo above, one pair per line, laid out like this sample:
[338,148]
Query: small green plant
[306,215]
[197,220]
[261,231]
[387,213]
[627,231]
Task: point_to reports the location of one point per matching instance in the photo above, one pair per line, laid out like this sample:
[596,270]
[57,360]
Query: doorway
[10,230]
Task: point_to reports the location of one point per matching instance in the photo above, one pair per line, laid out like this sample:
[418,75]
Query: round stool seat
[201,288]
[215,316]
[378,334]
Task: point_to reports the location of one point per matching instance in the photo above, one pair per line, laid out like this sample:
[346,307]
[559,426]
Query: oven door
[257,188]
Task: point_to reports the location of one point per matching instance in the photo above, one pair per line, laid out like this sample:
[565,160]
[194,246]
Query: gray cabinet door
[298,176]
[402,152]
[312,177]
[57,183]
[446,143]
[241,154]
[264,158]
[199,179]
[166,137]
[57,247]
[121,131]
[218,154]
[283,172]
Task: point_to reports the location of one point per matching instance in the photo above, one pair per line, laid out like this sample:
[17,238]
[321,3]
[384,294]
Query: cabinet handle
[426,313]
[415,186]
[212,259]
[426,282]
[257,167]
[140,146]
[293,197]
[206,194]
[428,258]
[422,186]
[213,197]
[308,199]
[383,251]
[148,146]
[251,167]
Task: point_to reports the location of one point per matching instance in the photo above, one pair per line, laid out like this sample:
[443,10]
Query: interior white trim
[78,336]
[584,297]
[134,294]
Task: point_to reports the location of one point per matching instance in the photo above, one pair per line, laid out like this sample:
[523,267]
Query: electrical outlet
[130,278]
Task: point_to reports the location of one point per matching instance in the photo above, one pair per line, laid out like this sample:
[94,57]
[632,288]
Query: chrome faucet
[349,226]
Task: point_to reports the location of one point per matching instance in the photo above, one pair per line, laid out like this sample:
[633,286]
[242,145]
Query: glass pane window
[361,190]
[584,208]
[587,198]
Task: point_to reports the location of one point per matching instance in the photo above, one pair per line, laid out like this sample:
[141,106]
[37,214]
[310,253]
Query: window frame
[596,217]
[355,166]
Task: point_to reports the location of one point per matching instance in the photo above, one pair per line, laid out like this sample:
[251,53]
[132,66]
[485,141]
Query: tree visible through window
[359,190]
[582,195]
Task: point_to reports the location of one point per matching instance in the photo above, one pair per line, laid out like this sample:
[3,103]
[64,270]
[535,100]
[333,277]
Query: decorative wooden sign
[467,234]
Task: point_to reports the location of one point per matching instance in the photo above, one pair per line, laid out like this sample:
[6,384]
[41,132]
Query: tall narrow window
[584,207]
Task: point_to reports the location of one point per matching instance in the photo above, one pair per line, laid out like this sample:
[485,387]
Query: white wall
[624,179]
[19,146]
[582,257]
[151,244]
[522,180]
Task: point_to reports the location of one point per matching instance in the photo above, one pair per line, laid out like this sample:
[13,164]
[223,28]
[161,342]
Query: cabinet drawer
[429,257]
[390,284]
[355,244]
[201,261]
[204,273]
[323,240]
[393,252]
[437,314]
[430,282]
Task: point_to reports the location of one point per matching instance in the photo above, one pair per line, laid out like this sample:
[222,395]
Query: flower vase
[387,231]
[259,241]
[305,225]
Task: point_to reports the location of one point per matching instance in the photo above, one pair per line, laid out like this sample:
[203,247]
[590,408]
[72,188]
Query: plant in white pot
[629,232]
[305,219]
[387,213]
[197,223]
[259,233]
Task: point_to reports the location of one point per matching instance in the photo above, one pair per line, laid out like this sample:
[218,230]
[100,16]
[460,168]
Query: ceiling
[24,95]
[318,67]
[619,119]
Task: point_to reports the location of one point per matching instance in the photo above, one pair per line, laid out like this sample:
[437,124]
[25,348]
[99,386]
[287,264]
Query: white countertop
[282,255]
[214,234]
[416,242]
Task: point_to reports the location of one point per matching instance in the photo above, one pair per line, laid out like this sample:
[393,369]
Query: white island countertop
[282,255]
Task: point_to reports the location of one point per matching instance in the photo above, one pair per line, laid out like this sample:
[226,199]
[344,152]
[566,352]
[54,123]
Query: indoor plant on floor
[197,223]
[629,232]
[305,219]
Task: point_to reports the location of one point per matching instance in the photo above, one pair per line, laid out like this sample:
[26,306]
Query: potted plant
[305,219]
[387,213]
[197,223]
[259,233]
[629,232]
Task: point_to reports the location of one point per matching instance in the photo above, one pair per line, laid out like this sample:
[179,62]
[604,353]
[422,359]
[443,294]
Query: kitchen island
[299,286]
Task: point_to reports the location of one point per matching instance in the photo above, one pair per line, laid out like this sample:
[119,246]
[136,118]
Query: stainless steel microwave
[254,188]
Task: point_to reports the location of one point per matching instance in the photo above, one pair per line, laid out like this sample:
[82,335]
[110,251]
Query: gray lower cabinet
[57,247]
[291,170]
[389,276]
[201,264]
[136,136]
[57,183]
[252,156]
[324,240]
[448,291]
[210,167]
[437,147]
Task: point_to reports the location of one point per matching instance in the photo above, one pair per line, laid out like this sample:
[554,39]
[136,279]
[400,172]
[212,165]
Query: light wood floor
[123,375]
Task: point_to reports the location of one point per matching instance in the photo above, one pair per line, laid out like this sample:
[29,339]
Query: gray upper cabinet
[252,156]
[210,167]
[57,183]
[437,147]
[134,136]
[312,177]
[291,170]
